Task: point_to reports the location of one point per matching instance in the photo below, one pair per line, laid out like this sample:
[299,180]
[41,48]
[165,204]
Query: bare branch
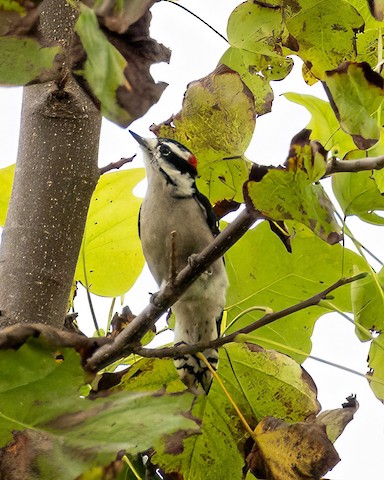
[89,348]
[172,259]
[129,338]
[16,335]
[265,320]
[116,165]
[370,163]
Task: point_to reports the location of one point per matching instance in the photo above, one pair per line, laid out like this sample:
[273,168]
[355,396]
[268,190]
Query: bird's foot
[154,299]
[193,262]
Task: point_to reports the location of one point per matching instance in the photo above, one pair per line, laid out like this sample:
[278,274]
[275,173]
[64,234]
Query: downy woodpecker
[173,203]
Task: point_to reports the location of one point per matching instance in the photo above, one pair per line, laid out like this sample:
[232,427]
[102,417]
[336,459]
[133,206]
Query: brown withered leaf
[224,207]
[19,19]
[122,320]
[18,458]
[298,451]
[114,68]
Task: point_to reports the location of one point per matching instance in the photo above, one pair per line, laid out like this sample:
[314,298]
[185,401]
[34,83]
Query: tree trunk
[56,173]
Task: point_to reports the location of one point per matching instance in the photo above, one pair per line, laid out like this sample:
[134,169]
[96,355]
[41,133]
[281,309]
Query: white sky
[196,51]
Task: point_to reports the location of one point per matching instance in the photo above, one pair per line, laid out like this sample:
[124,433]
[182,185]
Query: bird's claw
[192,260]
[153,299]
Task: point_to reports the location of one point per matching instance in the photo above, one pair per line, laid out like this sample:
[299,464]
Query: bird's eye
[165,151]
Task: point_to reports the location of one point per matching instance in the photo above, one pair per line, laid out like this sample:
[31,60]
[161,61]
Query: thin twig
[265,320]
[335,165]
[130,337]
[201,20]
[116,165]
[172,259]
[93,314]
[347,231]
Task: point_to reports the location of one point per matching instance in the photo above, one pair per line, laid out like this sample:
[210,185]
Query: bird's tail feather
[193,371]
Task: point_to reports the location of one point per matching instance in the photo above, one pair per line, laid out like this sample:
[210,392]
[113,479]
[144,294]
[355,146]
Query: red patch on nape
[192,160]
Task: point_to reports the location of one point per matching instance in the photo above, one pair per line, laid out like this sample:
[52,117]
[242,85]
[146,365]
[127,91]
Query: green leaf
[367,46]
[252,68]
[24,60]
[209,106]
[70,433]
[255,33]
[224,179]
[282,195]
[290,194]
[6,181]
[358,194]
[104,67]
[150,374]
[364,8]
[256,27]
[356,94]
[252,379]
[111,259]
[12,6]
[367,43]
[324,124]
[376,365]
[262,273]
[322,33]
[368,304]
[378,175]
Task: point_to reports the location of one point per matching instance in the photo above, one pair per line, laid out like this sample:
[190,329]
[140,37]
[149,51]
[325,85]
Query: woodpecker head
[173,161]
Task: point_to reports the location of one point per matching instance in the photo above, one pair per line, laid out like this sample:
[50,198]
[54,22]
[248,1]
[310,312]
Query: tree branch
[370,163]
[16,335]
[129,338]
[116,165]
[265,320]
[89,348]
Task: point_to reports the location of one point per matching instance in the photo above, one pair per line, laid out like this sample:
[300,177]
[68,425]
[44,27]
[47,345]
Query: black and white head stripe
[174,161]
[175,154]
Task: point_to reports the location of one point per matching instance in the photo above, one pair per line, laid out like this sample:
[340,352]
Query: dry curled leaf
[298,451]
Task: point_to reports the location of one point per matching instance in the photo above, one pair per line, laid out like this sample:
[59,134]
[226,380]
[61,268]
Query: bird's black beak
[144,142]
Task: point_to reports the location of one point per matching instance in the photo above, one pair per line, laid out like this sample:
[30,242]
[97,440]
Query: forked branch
[265,320]
[125,343]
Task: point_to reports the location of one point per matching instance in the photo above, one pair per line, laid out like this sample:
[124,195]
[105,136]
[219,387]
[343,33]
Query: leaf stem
[199,18]
[263,321]
[130,465]
[237,410]
[110,314]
